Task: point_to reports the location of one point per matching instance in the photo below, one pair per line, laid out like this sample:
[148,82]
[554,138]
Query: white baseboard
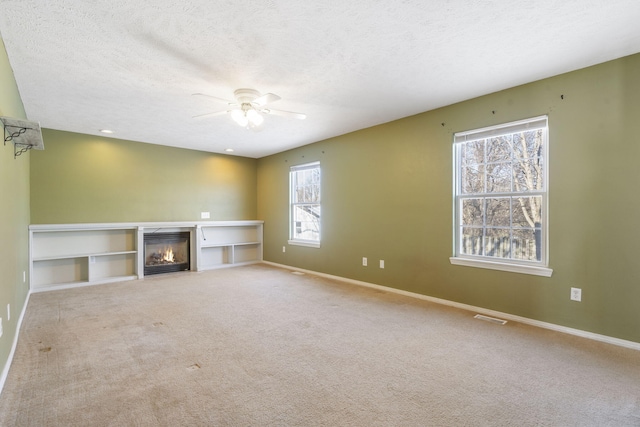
[7,366]
[524,320]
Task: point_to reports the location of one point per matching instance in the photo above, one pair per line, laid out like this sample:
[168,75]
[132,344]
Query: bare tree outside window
[500,194]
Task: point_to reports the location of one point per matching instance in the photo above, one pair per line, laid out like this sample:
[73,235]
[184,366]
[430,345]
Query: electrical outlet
[205,215]
[1,331]
[24,277]
[381,263]
[8,312]
[284,249]
[576,294]
[364,261]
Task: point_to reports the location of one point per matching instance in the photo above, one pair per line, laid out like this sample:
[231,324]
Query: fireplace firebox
[166,252]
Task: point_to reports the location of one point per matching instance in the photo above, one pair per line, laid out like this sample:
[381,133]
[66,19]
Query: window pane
[528,144]
[471,241]
[306,184]
[527,211]
[308,194]
[315,192]
[497,242]
[528,175]
[472,152]
[472,179]
[499,177]
[298,195]
[526,244]
[499,212]
[499,149]
[306,219]
[473,212]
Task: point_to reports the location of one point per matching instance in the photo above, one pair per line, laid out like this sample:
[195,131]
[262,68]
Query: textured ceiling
[132,66]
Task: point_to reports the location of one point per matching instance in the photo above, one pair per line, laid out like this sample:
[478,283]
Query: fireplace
[166,252]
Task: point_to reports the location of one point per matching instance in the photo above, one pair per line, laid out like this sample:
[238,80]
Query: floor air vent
[490,319]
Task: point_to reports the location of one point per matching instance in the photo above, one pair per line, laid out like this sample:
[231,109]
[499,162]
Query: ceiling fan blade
[214,97]
[265,99]
[215,113]
[288,114]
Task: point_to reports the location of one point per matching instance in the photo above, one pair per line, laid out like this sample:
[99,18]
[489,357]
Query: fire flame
[167,255]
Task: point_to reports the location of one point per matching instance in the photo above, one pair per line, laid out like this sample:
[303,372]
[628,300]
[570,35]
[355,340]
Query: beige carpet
[260,346]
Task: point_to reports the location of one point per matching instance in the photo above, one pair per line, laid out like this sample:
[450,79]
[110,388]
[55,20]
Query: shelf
[76,284]
[51,272]
[99,254]
[245,253]
[61,285]
[218,245]
[66,243]
[230,254]
[112,266]
[214,256]
[225,236]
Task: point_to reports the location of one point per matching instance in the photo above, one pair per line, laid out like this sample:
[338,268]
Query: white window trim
[301,242]
[502,266]
[307,243]
[524,267]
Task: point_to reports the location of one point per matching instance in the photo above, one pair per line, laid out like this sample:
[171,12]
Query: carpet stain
[45,349]
[156,324]
[193,367]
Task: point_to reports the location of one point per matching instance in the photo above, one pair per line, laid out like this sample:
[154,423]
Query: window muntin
[501,193]
[305,206]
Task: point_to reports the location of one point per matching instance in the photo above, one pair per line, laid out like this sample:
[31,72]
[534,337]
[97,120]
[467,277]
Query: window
[500,181]
[304,200]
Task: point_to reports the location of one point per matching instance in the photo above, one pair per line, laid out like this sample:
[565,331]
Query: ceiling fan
[249,106]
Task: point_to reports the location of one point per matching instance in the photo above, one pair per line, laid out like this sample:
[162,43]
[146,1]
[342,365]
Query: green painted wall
[81,178]
[387,194]
[14,215]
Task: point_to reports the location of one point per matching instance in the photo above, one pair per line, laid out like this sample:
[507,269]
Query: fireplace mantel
[70,255]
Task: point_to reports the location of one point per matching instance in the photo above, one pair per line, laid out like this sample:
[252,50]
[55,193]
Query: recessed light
[229,150]
[106,131]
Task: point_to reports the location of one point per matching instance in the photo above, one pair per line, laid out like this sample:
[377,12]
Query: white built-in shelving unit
[226,246]
[69,255]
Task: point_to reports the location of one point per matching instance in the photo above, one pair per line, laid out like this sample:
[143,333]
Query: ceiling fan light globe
[239,117]
[255,118]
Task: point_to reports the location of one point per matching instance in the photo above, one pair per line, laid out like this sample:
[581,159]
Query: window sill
[306,243]
[503,266]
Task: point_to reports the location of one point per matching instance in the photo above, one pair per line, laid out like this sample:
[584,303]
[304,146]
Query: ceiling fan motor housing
[245,96]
